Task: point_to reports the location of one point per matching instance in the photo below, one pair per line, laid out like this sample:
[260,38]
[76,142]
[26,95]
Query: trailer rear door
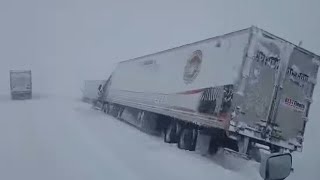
[255,91]
[295,96]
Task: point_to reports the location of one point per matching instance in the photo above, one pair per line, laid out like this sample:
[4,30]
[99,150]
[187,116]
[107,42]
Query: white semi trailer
[240,91]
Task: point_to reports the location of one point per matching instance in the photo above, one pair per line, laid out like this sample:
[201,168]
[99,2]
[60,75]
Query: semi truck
[21,84]
[241,92]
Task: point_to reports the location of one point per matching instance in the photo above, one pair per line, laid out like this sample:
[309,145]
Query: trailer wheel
[254,153]
[108,108]
[194,139]
[104,108]
[187,139]
[119,112]
[114,110]
[170,133]
[215,142]
[214,146]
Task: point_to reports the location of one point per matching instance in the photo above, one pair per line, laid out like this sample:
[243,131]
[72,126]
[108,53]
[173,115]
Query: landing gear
[115,110]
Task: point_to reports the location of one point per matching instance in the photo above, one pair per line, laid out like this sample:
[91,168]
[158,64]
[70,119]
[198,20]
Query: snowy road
[56,138]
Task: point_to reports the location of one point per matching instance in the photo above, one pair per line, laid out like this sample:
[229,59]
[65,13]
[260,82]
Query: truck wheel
[187,139]
[114,111]
[194,139]
[275,149]
[107,108]
[170,133]
[104,108]
[120,111]
[214,145]
[254,153]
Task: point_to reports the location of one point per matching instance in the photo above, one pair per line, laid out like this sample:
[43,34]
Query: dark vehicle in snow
[21,84]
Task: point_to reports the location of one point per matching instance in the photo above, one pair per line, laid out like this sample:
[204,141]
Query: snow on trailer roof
[185,45]
[226,35]
[296,46]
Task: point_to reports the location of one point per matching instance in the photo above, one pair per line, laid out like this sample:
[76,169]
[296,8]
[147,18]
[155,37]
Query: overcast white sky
[66,41]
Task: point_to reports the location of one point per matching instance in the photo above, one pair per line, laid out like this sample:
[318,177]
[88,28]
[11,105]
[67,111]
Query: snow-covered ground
[57,137]
[54,137]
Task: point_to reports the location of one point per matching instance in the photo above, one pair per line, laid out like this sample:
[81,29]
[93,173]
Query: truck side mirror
[276,166]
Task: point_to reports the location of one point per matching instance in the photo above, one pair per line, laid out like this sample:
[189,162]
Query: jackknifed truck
[242,92]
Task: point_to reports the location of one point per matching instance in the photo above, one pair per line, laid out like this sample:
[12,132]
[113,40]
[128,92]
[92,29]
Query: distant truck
[243,91]
[21,84]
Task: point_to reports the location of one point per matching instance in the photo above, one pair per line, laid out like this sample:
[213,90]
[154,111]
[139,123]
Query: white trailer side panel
[164,72]
[249,82]
[176,80]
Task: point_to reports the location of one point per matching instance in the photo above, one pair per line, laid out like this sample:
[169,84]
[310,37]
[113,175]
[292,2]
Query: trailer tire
[187,139]
[194,139]
[114,110]
[170,133]
[214,145]
[119,112]
[254,153]
[104,108]
[107,108]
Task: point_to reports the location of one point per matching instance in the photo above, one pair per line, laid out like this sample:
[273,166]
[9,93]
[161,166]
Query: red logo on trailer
[294,104]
